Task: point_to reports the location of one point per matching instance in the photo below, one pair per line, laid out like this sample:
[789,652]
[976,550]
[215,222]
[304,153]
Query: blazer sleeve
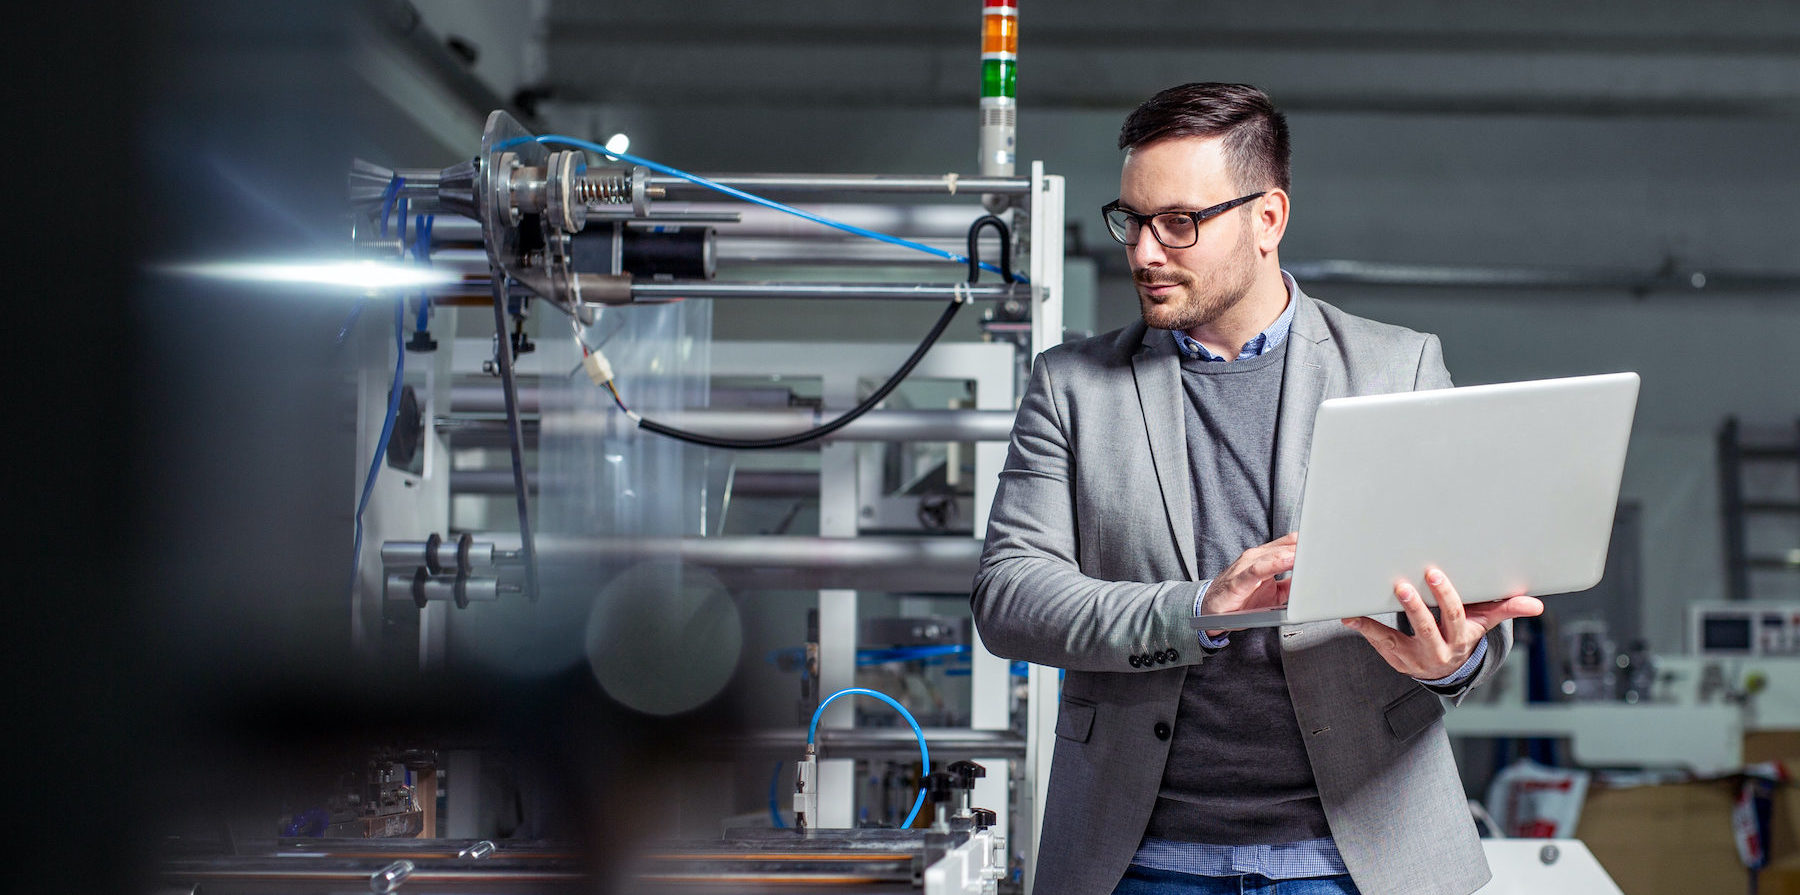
[1031,600]
[1433,374]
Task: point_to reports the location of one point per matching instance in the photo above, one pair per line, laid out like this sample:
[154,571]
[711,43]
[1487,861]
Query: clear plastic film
[604,480]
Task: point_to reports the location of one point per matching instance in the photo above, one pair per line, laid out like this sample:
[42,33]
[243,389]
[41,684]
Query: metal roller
[440,556]
[421,588]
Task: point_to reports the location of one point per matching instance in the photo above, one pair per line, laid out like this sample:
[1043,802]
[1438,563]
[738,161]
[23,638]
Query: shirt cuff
[1456,679]
[1207,643]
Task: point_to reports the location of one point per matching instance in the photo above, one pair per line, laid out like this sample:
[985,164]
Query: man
[1154,474]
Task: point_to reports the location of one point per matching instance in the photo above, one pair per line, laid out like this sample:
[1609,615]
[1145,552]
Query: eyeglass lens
[1174,230]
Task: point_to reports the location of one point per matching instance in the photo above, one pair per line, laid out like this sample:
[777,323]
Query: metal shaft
[876,742]
[515,436]
[876,425]
[923,564]
[486,481]
[745,483]
[892,291]
[767,184]
[474,286]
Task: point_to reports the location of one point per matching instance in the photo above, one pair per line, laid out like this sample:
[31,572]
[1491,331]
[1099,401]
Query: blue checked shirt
[1291,860]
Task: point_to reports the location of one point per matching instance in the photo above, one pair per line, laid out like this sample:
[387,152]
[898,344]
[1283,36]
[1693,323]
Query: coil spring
[609,189]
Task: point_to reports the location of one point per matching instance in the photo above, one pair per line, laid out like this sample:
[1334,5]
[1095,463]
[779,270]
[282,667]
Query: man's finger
[1493,612]
[1384,639]
[1267,567]
[1450,604]
[1271,592]
[1424,624]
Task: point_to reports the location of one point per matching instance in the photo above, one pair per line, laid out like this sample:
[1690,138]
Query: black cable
[943,322]
[820,432]
[1006,271]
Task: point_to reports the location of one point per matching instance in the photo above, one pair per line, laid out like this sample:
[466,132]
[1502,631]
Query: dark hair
[1256,136]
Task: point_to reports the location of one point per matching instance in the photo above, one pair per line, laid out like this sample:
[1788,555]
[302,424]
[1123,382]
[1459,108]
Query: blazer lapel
[1303,381]
[1157,369]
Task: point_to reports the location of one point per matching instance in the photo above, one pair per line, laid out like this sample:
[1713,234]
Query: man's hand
[1249,582]
[1439,645]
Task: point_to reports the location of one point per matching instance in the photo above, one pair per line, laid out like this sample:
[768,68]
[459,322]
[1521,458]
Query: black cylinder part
[681,253]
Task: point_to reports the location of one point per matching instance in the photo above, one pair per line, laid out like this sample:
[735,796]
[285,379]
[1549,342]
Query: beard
[1198,300]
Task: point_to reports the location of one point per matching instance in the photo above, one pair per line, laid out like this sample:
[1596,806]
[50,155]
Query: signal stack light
[999,103]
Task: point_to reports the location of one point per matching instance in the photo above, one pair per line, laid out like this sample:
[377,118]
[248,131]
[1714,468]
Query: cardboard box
[1673,839]
[1677,839]
[1782,876]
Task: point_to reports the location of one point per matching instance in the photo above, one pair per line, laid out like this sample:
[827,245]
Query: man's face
[1181,289]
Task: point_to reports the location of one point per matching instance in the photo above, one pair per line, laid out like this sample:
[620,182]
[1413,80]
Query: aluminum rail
[873,742]
[918,221]
[902,425]
[876,425]
[486,397]
[945,184]
[904,291]
[917,564]
[744,483]
[475,284]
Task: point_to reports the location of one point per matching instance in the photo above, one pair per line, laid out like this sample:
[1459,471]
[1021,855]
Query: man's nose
[1147,253]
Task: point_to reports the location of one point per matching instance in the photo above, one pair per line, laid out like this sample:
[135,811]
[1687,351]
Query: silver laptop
[1508,488]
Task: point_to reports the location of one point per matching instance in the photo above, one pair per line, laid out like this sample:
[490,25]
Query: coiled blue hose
[812,732]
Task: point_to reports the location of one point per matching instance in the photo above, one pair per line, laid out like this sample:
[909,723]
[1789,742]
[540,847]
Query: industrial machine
[561,467]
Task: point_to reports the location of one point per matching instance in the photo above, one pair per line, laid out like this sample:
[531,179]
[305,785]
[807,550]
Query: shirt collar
[1264,342]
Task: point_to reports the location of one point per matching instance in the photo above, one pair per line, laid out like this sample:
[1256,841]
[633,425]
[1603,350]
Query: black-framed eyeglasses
[1174,229]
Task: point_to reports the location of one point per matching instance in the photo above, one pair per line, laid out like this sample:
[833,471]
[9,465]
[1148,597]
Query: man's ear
[1271,220]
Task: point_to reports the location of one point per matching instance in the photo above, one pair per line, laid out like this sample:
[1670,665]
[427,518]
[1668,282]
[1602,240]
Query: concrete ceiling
[1609,57]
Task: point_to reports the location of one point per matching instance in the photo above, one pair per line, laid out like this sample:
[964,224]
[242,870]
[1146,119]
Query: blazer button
[1161,657]
[1174,656]
[1136,661]
[1161,730]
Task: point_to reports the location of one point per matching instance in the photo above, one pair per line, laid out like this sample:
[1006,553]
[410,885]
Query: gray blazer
[1090,561]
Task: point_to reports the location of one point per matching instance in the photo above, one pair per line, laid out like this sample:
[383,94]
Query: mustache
[1149,277]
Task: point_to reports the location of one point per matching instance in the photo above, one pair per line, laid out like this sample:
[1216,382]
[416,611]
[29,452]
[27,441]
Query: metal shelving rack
[1739,509]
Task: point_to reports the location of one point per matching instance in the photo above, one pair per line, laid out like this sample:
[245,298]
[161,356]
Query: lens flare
[357,275]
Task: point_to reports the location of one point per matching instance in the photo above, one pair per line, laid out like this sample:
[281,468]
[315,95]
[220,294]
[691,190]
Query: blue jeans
[1145,881]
